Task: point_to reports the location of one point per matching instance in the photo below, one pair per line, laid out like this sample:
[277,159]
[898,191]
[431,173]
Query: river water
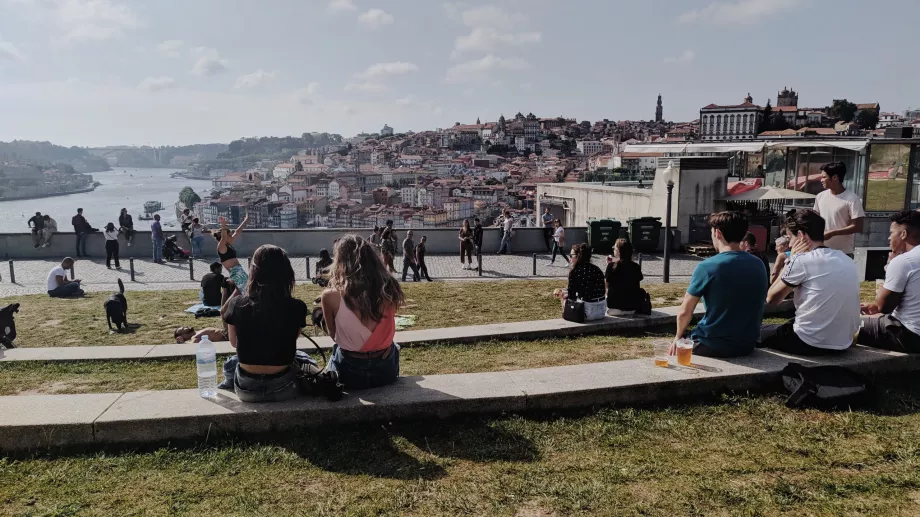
[121,188]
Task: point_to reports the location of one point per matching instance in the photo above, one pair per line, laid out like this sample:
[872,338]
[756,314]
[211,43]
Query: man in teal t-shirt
[733,287]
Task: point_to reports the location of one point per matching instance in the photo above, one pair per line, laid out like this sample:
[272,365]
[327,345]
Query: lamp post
[668,176]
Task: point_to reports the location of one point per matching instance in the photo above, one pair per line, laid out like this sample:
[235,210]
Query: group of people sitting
[824,283]
[43,227]
[616,291]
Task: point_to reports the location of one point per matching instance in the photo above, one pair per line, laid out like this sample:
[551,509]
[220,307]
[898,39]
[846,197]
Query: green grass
[47,322]
[741,455]
[886,194]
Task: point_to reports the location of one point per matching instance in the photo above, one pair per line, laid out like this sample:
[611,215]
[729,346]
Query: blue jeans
[65,291]
[506,243]
[362,373]
[198,246]
[157,249]
[81,244]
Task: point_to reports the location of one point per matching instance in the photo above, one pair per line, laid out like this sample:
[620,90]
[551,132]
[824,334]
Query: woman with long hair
[263,325]
[360,313]
[111,246]
[388,248]
[559,242]
[466,245]
[126,226]
[623,276]
[196,236]
[227,253]
[586,283]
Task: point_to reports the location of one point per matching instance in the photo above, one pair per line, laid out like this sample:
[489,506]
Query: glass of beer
[684,352]
[661,353]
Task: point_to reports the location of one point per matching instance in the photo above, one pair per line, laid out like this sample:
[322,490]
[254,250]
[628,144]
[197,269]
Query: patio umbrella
[769,194]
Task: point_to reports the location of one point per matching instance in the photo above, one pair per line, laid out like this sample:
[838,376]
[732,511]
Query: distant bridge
[151,153]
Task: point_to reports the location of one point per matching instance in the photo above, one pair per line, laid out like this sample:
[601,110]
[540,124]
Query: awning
[852,145]
[694,148]
[769,194]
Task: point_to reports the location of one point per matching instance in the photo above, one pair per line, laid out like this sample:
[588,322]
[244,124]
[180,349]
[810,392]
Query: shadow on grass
[475,440]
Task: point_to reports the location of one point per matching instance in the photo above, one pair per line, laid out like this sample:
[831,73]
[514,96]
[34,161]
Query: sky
[173,72]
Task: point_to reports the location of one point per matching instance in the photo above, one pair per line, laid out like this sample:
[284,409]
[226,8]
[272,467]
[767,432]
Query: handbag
[574,311]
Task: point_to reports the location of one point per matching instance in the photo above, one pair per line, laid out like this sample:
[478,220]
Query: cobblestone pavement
[31,274]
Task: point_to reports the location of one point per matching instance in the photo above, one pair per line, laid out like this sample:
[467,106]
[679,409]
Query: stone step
[468,334]
[45,422]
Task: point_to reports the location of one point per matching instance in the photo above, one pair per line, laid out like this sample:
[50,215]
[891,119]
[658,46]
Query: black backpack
[645,304]
[823,386]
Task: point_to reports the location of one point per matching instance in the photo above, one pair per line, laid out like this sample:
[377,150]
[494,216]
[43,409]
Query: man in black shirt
[37,223]
[420,258]
[215,288]
[477,235]
[409,258]
[81,228]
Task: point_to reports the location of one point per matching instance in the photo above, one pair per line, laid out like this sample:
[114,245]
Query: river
[121,188]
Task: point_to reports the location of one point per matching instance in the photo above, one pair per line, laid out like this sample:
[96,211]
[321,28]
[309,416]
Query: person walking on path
[111,246]
[547,228]
[388,248]
[37,224]
[466,245]
[420,258]
[81,228]
[507,234]
[408,246]
[158,238]
[50,229]
[126,224]
[559,243]
[841,210]
[477,235]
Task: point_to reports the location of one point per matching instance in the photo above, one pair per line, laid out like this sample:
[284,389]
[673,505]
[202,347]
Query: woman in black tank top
[227,253]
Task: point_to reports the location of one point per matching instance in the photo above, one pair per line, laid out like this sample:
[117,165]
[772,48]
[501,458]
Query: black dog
[116,309]
[8,325]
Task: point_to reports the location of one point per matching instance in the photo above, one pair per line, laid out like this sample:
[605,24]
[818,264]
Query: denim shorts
[358,373]
[264,388]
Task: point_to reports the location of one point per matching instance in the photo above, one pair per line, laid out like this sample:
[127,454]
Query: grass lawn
[886,194]
[47,322]
[741,455]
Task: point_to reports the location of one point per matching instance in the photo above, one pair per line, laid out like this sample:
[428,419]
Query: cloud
[336,6]
[685,57]
[385,69]
[367,87]
[78,21]
[486,16]
[8,51]
[254,80]
[155,84]
[171,48]
[210,63]
[405,101]
[349,110]
[375,18]
[739,11]
[305,95]
[485,39]
[479,69]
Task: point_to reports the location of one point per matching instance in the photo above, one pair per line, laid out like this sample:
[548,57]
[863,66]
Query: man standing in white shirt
[507,233]
[826,286]
[893,321]
[841,210]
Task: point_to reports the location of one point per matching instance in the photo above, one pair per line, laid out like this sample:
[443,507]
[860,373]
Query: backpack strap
[798,397]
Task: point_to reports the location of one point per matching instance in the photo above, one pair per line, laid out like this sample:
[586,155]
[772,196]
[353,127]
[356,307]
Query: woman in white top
[111,246]
[559,242]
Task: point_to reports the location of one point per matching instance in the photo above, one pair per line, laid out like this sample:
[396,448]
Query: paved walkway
[31,275]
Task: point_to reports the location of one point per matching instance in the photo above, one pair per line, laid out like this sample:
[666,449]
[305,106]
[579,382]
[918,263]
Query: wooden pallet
[700,249]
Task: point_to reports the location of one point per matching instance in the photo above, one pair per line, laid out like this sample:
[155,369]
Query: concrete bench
[150,417]
[468,334]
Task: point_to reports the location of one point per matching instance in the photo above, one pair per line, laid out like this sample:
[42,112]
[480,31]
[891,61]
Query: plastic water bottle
[206,358]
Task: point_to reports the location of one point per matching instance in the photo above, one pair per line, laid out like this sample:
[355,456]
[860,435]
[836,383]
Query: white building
[386,131]
[283,170]
[730,123]
[890,120]
[425,197]
[409,195]
[287,216]
[589,147]
[333,190]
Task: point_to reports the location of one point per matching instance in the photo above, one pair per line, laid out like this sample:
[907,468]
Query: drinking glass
[684,352]
[661,353]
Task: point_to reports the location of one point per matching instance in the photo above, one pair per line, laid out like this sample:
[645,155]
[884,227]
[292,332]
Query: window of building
[886,185]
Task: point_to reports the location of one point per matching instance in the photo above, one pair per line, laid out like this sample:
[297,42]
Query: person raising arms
[227,254]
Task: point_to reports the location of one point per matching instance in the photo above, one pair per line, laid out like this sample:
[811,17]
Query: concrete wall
[295,242]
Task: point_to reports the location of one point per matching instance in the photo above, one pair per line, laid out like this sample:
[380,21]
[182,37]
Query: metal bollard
[191,268]
[479,260]
[308,268]
[131,263]
[73,271]
[12,273]
[534,264]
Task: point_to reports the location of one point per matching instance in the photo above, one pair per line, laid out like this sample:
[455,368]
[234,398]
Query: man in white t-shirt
[893,321]
[507,233]
[826,287]
[841,209]
[59,286]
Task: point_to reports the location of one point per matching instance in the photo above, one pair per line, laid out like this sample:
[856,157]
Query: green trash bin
[644,232]
[602,233]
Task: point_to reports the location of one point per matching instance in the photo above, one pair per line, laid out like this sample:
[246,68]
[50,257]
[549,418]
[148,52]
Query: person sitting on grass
[227,254]
[826,286]
[733,286]
[359,309]
[623,278]
[586,283]
[188,335]
[59,286]
[263,325]
[215,287]
[893,321]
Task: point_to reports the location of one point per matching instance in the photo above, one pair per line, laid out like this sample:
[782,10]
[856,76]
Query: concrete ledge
[53,421]
[503,331]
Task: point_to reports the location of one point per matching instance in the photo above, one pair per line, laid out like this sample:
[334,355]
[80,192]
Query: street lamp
[668,176]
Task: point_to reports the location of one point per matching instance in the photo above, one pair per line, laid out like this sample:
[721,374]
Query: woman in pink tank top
[360,313]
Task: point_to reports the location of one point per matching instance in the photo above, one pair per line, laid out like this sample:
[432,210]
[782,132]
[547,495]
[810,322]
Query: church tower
[659,111]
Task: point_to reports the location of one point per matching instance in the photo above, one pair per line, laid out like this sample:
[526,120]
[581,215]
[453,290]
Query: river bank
[42,196]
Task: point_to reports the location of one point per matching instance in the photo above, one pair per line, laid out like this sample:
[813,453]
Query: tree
[867,119]
[298,166]
[778,122]
[767,119]
[188,197]
[844,110]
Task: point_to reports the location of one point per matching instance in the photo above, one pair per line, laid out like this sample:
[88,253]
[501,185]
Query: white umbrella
[768,194]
